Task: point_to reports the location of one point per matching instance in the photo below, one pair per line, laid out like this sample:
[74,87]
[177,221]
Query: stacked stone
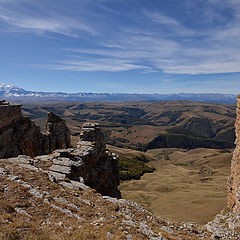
[91,135]
[89,163]
[65,162]
[234,180]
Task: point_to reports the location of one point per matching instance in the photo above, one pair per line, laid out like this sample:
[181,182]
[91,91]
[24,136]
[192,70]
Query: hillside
[33,207]
[144,126]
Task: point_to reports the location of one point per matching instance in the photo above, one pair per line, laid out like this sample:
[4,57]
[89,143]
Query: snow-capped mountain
[9,90]
[17,94]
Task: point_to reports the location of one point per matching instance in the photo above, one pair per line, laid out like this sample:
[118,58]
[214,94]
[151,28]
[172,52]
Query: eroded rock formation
[58,133]
[234,180]
[89,163]
[20,135]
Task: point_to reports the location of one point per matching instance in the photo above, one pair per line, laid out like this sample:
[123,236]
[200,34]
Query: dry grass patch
[189,186]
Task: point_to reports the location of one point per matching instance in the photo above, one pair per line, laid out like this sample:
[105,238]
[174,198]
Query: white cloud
[109,65]
[153,42]
[135,51]
[158,17]
[54,24]
[168,22]
[207,68]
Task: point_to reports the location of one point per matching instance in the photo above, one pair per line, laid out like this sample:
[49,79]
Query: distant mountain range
[17,94]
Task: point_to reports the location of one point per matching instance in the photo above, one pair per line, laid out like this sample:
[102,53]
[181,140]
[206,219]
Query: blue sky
[138,46]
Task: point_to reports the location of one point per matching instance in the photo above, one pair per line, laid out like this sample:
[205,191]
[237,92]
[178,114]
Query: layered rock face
[9,113]
[89,163]
[20,135]
[234,180]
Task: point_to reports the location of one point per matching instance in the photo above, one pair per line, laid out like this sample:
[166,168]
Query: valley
[188,146]
[174,160]
[144,126]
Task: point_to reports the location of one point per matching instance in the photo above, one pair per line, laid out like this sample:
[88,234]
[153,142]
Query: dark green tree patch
[132,168]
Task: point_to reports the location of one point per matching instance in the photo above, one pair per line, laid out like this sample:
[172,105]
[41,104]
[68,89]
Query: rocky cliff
[89,163]
[20,135]
[234,180]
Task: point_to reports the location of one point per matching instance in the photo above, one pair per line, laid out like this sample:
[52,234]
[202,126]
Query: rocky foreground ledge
[35,205]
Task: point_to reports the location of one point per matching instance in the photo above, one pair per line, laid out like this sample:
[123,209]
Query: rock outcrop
[89,163]
[234,180]
[20,135]
[58,133]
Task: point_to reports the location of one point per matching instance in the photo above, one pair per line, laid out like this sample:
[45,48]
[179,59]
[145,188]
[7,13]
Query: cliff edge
[233,199]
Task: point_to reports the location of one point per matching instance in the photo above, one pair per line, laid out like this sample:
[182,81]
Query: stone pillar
[100,169]
[91,132]
[58,132]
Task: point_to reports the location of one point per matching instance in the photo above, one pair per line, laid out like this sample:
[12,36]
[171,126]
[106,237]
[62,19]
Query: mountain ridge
[11,92]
